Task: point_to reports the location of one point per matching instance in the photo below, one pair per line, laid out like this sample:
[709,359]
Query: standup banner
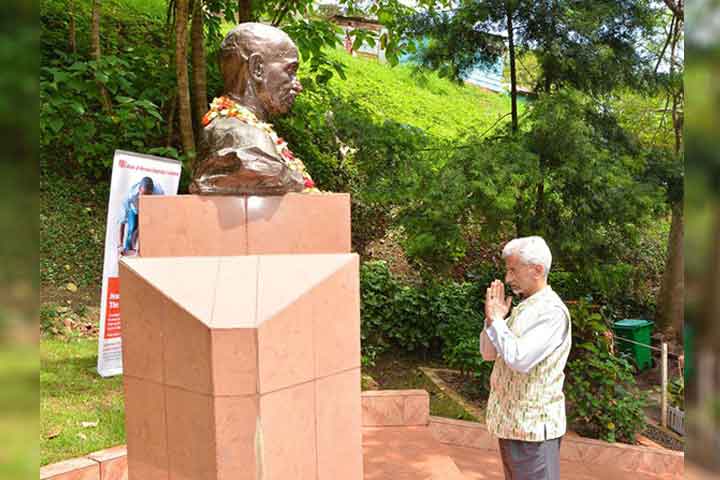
[133,175]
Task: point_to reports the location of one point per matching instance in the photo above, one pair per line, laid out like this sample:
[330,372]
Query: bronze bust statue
[239,151]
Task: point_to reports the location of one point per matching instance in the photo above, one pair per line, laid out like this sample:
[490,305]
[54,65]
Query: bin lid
[633,323]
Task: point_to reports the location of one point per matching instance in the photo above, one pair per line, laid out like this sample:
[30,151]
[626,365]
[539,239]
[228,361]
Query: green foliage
[676,392]
[567,176]
[591,46]
[78,128]
[393,314]
[603,399]
[72,122]
[459,322]
[423,318]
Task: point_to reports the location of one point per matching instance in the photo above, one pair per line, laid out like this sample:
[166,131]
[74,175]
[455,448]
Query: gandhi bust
[239,152]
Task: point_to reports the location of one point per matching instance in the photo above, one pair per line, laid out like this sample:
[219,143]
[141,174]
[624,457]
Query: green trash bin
[637,330]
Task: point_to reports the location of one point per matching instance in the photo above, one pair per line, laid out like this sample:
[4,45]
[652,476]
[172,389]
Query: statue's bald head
[245,40]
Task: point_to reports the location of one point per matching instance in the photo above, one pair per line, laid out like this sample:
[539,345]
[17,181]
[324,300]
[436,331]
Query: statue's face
[281,84]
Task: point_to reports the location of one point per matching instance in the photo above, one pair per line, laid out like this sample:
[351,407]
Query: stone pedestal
[238,365]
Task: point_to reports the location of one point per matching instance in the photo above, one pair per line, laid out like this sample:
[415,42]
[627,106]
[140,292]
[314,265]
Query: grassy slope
[443,109]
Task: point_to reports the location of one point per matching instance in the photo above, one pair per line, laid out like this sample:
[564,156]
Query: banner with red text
[133,174]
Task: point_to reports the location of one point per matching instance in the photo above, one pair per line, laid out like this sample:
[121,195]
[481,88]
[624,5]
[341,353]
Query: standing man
[128,239]
[526,408]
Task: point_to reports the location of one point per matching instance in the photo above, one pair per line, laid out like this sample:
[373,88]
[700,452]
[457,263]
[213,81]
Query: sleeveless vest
[531,406]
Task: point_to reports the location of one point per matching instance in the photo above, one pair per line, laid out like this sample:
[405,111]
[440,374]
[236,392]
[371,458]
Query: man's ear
[256,66]
[539,270]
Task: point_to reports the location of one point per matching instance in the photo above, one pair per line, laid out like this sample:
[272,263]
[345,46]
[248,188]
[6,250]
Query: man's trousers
[531,460]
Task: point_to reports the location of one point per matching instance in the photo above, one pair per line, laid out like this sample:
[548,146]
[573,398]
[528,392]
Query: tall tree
[181,72]
[588,46]
[199,62]
[670,300]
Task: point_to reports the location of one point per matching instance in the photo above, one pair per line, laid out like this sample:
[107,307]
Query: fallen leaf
[82,435]
[89,424]
[71,287]
[67,267]
[62,309]
[53,433]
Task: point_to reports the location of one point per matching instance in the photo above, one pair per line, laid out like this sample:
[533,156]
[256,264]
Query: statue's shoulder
[230,132]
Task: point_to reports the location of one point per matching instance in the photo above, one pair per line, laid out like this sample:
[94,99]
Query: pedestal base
[242,367]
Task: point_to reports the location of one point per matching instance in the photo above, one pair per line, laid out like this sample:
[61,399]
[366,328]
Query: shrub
[428,318]
[603,399]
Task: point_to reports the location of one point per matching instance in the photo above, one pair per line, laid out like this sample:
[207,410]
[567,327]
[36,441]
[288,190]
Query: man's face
[521,277]
[281,82]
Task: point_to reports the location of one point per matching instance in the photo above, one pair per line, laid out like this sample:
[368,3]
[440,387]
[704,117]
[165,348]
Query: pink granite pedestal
[243,364]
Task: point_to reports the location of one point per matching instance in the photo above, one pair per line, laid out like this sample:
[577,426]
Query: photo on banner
[133,174]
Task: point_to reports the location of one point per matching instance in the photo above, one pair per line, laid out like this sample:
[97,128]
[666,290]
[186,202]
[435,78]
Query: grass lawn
[18,411]
[71,392]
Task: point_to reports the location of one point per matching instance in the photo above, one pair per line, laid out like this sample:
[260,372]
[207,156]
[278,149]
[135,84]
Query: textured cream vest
[531,406]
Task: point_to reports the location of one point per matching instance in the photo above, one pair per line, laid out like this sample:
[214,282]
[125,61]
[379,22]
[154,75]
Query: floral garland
[225,107]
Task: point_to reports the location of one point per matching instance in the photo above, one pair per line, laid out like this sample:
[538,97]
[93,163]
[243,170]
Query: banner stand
[133,174]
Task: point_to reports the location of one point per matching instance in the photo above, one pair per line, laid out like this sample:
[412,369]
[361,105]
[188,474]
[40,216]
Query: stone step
[406,453]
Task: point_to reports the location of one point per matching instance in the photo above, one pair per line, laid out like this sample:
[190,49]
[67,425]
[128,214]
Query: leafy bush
[80,126]
[603,398]
[71,122]
[393,315]
[424,318]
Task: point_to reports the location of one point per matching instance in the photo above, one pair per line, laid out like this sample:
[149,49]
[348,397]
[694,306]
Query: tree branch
[667,42]
[675,8]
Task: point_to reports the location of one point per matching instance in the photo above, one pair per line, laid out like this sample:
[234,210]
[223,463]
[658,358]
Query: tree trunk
[513,75]
[95,31]
[244,11]
[670,302]
[171,121]
[181,72]
[537,222]
[72,37]
[95,52]
[199,64]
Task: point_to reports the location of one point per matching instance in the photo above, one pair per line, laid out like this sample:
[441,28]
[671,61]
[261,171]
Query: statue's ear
[256,66]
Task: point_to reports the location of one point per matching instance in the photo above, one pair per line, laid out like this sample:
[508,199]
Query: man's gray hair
[531,251]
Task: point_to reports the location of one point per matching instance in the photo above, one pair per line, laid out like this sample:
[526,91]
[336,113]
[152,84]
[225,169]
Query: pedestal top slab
[215,289]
